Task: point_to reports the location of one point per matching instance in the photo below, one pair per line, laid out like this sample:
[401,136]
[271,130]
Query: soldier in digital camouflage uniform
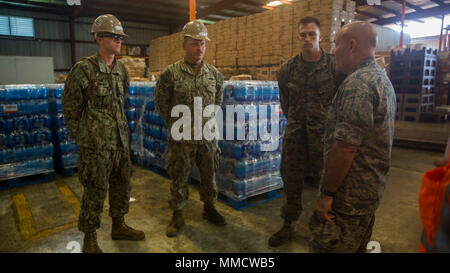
[178,84]
[307,85]
[358,142]
[93,107]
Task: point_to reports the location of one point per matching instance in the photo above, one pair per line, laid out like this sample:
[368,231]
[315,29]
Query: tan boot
[176,224]
[90,244]
[212,215]
[120,231]
[284,235]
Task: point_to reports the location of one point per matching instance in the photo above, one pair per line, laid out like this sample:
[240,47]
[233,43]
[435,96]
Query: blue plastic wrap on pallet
[69,160]
[26,168]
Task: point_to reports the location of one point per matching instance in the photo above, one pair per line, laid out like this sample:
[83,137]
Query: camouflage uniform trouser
[181,159]
[348,233]
[97,169]
[296,152]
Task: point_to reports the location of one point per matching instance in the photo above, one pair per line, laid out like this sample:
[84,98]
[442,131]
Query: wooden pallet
[27,180]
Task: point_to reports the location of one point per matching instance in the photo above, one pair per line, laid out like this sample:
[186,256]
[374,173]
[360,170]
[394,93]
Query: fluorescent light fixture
[206,21]
[274,3]
[389,15]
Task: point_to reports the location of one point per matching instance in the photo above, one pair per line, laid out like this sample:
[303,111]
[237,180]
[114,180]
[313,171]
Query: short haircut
[308,20]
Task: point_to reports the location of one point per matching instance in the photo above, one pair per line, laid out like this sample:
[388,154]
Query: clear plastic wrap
[66,150]
[248,166]
[25,137]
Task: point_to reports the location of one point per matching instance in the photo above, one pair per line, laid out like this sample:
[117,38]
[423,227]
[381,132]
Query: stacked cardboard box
[123,50]
[60,77]
[134,51]
[263,40]
[135,65]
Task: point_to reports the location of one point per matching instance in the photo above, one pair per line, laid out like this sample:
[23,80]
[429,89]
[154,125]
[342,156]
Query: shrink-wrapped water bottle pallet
[9,183]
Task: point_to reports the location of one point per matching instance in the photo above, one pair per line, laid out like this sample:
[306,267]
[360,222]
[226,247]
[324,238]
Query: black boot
[212,215]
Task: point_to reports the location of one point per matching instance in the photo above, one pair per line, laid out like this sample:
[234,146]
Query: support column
[72,39]
[192,10]
[403,22]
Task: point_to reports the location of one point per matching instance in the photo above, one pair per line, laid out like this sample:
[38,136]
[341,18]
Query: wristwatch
[327,193]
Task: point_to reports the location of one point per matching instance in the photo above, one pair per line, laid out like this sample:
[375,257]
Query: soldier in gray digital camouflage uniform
[307,85]
[358,142]
[93,107]
[179,84]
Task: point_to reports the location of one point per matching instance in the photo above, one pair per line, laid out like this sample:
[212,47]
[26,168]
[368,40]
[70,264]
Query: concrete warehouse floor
[53,207]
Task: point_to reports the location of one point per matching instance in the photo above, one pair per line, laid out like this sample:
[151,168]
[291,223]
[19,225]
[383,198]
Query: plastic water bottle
[150,106]
[9,155]
[69,160]
[276,92]
[58,106]
[229,93]
[59,91]
[31,152]
[20,123]
[162,147]
[131,114]
[240,92]
[241,169]
[251,91]
[157,145]
[20,138]
[267,91]
[25,92]
[146,129]
[132,89]
[3,94]
[132,125]
[164,134]
[259,91]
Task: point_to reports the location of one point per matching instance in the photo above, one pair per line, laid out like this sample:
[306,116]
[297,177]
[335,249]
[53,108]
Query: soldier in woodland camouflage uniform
[358,141]
[307,86]
[178,85]
[93,107]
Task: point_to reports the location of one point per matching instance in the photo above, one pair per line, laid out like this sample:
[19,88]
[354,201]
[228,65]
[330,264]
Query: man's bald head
[362,32]
[355,42]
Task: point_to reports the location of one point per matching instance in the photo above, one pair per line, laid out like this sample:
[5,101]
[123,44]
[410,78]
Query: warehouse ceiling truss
[174,13]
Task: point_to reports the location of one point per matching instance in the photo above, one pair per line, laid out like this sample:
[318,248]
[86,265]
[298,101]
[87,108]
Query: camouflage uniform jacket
[306,94]
[363,114]
[179,84]
[93,102]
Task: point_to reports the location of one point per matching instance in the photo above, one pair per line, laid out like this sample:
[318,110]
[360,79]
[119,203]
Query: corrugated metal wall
[139,34]
[432,42]
[388,38]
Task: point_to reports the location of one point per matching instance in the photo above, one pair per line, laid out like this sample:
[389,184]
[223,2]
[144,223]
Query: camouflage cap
[107,23]
[196,30]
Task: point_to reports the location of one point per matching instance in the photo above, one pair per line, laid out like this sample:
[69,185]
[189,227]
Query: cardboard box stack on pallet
[258,43]
[443,79]
[135,65]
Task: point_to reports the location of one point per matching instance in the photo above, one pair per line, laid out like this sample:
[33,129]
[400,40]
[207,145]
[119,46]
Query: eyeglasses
[114,37]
